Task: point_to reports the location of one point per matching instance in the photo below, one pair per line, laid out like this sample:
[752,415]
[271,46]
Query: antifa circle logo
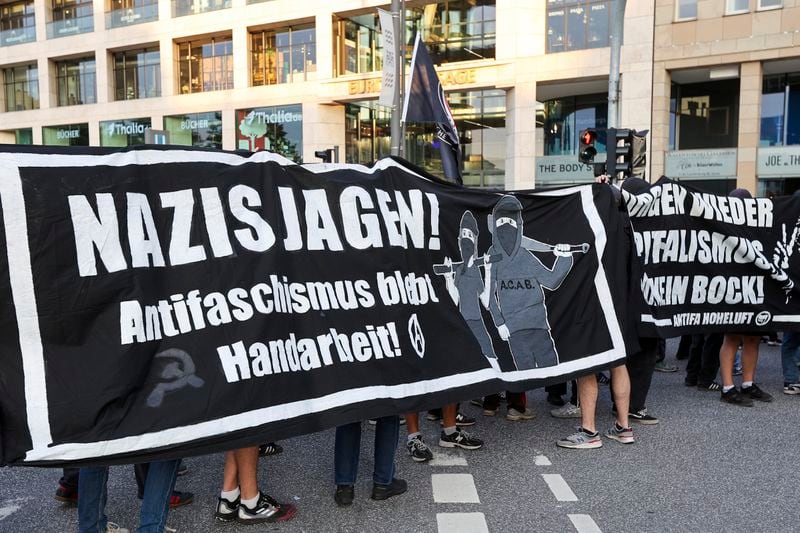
[178,373]
[416,335]
[763,318]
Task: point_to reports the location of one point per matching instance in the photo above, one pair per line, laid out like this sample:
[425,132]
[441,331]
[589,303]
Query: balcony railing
[119,18]
[18,36]
[67,27]
[182,8]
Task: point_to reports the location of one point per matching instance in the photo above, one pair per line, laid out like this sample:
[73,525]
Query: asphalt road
[707,467]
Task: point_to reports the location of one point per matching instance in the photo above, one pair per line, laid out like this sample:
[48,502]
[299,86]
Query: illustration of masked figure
[465,284]
[516,280]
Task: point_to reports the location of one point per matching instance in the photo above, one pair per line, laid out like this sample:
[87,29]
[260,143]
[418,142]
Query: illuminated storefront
[278,129]
[195,129]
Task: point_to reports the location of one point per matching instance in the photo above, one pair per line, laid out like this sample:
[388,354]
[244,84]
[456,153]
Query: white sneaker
[168,529]
[514,415]
[111,527]
[568,410]
[791,388]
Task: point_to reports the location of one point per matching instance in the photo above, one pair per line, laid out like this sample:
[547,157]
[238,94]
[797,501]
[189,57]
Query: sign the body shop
[778,162]
[553,169]
[701,164]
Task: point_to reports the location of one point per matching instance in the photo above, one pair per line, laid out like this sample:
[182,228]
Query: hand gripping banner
[166,302]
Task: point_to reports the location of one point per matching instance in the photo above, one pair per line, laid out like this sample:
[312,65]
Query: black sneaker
[555,399]
[735,397]
[266,510]
[226,510]
[642,417]
[603,379]
[270,448]
[713,386]
[461,439]
[395,488]
[68,495]
[179,499]
[418,450]
[754,392]
[477,402]
[344,495]
[463,420]
[434,415]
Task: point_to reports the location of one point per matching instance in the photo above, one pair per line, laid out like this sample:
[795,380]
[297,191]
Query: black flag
[426,102]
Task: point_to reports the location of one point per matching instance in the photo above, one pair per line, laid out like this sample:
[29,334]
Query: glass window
[359,45]
[67,135]
[733,7]
[23,136]
[206,65]
[21,87]
[123,132]
[577,24]
[769,4]
[706,115]
[70,17]
[454,30]
[283,55]
[195,129]
[780,110]
[565,118]
[128,12]
[137,74]
[17,23]
[75,80]
[278,129]
[685,9]
[181,8]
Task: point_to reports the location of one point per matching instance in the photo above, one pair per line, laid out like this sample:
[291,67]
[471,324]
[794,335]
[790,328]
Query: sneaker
[754,392]
[713,386]
[663,366]
[477,402]
[515,414]
[569,410]
[737,370]
[111,527]
[791,388]
[460,439]
[226,510]
[620,434]
[582,440]
[603,379]
[179,499]
[344,495]
[266,510]
[68,495]
[183,469]
[374,422]
[418,450]
[462,420]
[383,492]
[555,399]
[735,397]
[489,411]
[270,448]
[773,343]
[434,415]
[168,529]
[642,417]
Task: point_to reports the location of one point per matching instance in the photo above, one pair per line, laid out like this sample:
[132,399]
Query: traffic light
[325,155]
[586,150]
[627,152]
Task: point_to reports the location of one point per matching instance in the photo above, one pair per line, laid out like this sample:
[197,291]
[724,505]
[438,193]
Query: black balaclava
[468,238]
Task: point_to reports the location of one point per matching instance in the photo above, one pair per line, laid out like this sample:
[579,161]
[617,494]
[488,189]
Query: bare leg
[449,413]
[749,357]
[412,422]
[587,395]
[230,476]
[246,460]
[622,393]
[726,356]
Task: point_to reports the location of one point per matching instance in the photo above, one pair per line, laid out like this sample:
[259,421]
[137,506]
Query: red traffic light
[588,137]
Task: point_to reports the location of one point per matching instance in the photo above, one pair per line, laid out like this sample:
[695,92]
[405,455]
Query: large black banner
[715,263]
[170,302]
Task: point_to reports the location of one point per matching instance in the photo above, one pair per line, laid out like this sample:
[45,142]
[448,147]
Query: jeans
[92,488]
[348,449]
[790,355]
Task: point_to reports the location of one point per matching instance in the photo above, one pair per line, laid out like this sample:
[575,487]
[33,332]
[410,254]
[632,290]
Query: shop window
[21,86]
[706,115]
[23,136]
[780,110]
[206,65]
[577,24]
[67,135]
[195,129]
[283,55]
[127,132]
[17,23]
[565,118]
[137,74]
[75,81]
[278,129]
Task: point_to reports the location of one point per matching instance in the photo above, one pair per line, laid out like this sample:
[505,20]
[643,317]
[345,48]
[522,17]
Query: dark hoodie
[468,280]
[517,279]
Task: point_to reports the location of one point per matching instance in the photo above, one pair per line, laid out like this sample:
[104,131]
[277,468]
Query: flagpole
[402,41]
[399,67]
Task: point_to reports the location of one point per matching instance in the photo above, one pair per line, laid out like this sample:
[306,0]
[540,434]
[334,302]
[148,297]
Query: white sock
[747,384]
[411,436]
[251,503]
[230,495]
[450,430]
[727,388]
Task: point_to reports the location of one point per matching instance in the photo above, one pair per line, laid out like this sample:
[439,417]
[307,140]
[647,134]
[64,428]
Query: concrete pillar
[103,79]
[169,63]
[228,129]
[324,36]
[749,118]
[659,130]
[521,136]
[241,76]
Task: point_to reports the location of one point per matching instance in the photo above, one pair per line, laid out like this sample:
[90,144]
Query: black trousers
[703,362]
[560,389]
[640,369]
[683,347]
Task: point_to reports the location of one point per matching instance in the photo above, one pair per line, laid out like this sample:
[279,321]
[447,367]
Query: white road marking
[584,524]
[559,488]
[541,460]
[9,507]
[445,459]
[454,488]
[461,523]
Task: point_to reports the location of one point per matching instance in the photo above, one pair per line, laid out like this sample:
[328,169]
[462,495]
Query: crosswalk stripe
[461,523]
[454,488]
[584,524]
[559,488]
